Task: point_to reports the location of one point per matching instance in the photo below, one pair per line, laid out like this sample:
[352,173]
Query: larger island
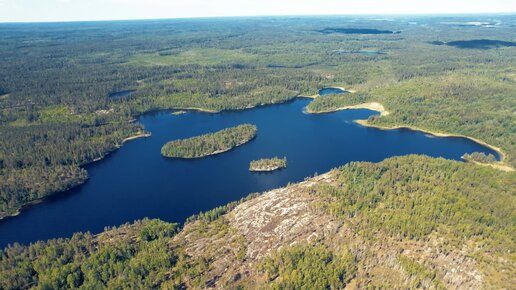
[211,143]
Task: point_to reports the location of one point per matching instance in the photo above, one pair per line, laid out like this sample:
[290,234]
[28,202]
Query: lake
[363,52]
[121,94]
[476,43]
[136,181]
[331,91]
[330,30]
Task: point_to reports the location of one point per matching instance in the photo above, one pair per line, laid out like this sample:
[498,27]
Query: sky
[80,10]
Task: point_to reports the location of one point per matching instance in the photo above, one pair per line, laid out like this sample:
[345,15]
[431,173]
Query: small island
[270,164]
[210,144]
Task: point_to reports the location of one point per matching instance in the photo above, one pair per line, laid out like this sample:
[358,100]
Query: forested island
[211,143]
[268,164]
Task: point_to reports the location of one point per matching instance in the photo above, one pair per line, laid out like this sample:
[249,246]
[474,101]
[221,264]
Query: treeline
[211,143]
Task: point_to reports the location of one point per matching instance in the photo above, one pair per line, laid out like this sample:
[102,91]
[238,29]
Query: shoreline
[31,203]
[268,164]
[374,106]
[15,213]
[308,97]
[498,150]
[140,135]
[500,165]
[343,89]
[199,110]
[318,95]
[42,199]
[262,169]
[213,153]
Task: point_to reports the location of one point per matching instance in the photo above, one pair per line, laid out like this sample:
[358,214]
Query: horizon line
[258,16]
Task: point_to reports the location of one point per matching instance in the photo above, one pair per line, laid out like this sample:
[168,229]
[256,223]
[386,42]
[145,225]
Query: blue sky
[78,10]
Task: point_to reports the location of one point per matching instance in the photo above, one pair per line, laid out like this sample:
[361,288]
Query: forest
[406,222]
[211,143]
[58,81]
[391,213]
[479,157]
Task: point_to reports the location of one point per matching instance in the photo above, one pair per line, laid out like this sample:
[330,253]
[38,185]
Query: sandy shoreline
[436,134]
[370,106]
[141,135]
[501,165]
[199,109]
[343,89]
[317,95]
[498,165]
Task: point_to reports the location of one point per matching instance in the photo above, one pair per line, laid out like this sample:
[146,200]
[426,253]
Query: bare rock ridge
[281,218]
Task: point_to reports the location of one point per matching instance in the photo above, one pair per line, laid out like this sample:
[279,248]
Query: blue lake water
[136,181]
[331,91]
[121,94]
[330,30]
[364,52]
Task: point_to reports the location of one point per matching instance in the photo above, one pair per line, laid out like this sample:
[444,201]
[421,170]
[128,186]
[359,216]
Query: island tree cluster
[268,164]
[210,144]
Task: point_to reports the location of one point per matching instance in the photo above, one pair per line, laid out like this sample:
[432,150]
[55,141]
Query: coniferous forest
[268,164]
[70,94]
